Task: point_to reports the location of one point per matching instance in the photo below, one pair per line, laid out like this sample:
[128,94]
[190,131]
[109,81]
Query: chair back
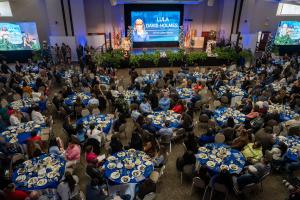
[264,176]
[198,182]
[188,169]
[150,196]
[219,138]
[220,188]
[85,112]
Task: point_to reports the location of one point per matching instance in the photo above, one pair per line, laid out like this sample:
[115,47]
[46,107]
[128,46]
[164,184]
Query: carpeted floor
[169,187]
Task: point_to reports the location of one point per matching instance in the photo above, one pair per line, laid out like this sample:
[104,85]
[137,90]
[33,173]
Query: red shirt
[35,138]
[178,108]
[17,195]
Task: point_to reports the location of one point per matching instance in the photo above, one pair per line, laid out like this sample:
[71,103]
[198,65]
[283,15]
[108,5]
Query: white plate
[136,173]
[111,165]
[115,175]
[21,178]
[125,179]
[42,182]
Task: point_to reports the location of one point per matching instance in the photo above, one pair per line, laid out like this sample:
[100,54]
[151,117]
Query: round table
[219,157]
[185,93]
[221,115]
[159,118]
[85,97]
[285,112]
[24,104]
[293,143]
[102,121]
[130,94]
[39,173]
[235,91]
[150,78]
[129,166]
[21,133]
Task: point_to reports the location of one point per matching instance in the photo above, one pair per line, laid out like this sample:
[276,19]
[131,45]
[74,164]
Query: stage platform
[138,51]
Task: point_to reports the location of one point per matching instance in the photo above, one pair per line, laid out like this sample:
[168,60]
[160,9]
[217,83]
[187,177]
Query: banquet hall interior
[149,99]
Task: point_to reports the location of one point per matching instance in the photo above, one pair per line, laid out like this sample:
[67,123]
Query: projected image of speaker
[18,36]
[288,33]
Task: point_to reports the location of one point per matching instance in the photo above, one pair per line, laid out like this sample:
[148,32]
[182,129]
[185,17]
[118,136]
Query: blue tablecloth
[159,118]
[185,93]
[130,94]
[103,121]
[221,155]
[223,89]
[53,165]
[141,162]
[221,118]
[70,100]
[10,134]
[104,79]
[293,142]
[26,103]
[285,112]
[151,78]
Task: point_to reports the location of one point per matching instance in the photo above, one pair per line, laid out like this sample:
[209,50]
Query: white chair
[199,183]
[150,196]
[85,112]
[219,138]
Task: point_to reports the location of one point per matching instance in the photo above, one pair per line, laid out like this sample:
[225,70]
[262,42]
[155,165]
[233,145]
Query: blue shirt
[164,103]
[145,107]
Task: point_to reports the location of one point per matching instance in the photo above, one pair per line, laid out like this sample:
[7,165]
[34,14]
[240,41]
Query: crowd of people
[258,137]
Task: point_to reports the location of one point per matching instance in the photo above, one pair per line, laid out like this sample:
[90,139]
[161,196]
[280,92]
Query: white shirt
[96,134]
[37,117]
[135,114]
[14,121]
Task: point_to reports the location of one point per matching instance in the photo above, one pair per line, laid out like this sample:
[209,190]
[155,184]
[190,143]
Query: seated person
[203,173]
[135,112]
[115,144]
[166,132]
[191,143]
[72,154]
[149,126]
[15,118]
[67,125]
[179,107]
[145,106]
[94,190]
[55,146]
[34,136]
[146,187]
[90,156]
[37,116]
[151,146]
[160,159]
[224,178]
[12,193]
[253,152]
[164,103]
[80,133]
[118,122]
[253,174]
[136,141]
[96,133]
[240,142]
[188,158]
